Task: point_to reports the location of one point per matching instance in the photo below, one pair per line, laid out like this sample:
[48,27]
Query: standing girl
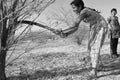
[114,30]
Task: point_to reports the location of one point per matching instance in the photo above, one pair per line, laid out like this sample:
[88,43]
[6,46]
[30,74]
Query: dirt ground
[59,60]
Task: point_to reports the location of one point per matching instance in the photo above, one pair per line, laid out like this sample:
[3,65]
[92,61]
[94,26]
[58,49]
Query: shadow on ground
[111,67]
[45,74]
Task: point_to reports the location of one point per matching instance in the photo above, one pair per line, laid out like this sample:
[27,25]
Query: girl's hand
[61,33]
[57,32]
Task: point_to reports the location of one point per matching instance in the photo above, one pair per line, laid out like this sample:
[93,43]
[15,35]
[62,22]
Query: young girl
[114,30]
[98,30]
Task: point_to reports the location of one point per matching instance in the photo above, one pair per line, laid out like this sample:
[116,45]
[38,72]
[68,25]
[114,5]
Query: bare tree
[13,13]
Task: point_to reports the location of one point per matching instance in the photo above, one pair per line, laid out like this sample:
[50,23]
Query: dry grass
[60,60]
[48,66]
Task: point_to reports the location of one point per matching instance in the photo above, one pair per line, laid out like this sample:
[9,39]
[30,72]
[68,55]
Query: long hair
[95,10]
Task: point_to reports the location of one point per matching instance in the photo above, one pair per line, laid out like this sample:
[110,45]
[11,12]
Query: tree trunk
[2,64]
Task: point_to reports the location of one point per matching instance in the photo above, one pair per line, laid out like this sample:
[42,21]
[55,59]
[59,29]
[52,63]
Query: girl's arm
[71,30]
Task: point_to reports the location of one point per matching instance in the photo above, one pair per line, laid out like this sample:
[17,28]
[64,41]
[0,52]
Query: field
[57,59]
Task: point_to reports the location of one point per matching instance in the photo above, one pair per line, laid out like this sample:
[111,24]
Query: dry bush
[12,14]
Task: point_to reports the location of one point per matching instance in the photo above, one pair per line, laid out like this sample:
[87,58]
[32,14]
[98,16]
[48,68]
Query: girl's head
[113,11]
[77,5]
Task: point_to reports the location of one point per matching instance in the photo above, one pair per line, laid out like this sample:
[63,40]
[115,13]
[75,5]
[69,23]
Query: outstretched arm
[71,30]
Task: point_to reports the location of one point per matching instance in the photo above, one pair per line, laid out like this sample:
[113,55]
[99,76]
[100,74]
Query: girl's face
[76,9]
[113,13]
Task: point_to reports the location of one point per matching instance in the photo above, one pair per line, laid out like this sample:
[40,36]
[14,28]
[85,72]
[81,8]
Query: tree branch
[57,32]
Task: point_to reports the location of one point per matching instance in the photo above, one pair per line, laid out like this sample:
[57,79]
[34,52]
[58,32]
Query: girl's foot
[93,75]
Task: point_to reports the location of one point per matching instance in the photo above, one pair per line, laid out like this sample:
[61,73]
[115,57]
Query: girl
[98,30]
[114,30]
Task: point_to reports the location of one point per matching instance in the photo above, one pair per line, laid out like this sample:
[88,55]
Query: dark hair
[114,9]
[95,10]
[78,3]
